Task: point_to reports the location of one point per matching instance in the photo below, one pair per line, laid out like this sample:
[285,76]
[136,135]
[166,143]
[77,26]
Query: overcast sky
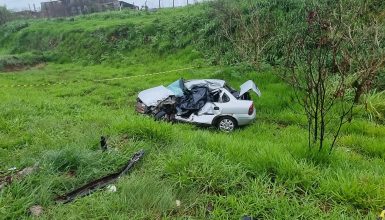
[18,5]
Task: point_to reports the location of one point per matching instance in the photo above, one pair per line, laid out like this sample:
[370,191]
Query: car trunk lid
[247,86]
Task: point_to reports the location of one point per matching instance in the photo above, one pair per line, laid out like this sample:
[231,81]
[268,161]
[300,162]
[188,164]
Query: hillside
[101,38]
[264,170]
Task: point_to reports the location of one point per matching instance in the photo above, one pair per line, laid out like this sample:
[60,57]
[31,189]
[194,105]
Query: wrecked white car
[204,101]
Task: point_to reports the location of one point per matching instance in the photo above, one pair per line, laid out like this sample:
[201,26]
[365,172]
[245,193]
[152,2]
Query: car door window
[225,98]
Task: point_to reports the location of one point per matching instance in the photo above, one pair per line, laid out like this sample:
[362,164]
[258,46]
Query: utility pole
[187,2]
[173,3]
[159,3]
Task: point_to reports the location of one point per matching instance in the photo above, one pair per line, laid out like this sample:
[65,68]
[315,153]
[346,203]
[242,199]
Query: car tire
[227,124]
[158,116]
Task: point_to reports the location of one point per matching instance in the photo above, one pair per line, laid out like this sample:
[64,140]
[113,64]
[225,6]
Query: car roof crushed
[211,84]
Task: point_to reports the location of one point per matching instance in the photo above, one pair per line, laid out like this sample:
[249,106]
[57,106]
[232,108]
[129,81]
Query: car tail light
[251,109]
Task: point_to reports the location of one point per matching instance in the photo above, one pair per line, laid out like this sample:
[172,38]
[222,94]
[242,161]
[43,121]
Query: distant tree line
[5,15]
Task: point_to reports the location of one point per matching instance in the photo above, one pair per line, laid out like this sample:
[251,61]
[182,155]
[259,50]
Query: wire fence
[29,5]
[163,3]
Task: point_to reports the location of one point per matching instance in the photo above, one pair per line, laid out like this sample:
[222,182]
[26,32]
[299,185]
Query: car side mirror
[216,108]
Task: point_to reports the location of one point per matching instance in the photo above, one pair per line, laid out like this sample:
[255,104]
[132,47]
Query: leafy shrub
[375,105]
[20,60]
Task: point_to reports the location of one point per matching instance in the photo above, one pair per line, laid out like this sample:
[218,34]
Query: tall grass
[261,170]
[375,105]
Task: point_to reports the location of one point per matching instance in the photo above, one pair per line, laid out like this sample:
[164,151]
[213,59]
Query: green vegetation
[263,170]
[5,15]
[20,61]
[104,37]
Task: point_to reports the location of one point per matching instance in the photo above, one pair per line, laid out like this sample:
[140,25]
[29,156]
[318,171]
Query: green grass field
[263,170]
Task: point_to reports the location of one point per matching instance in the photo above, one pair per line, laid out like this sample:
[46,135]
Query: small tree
[241,25]
[332,58]
[5,15]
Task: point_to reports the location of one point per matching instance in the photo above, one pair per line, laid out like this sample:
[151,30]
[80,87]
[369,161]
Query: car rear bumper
[244,119]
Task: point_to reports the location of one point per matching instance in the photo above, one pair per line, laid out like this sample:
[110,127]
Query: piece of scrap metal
[100,183]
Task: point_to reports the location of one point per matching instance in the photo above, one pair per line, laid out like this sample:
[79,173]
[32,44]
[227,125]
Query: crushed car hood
[152,97]
[247,86]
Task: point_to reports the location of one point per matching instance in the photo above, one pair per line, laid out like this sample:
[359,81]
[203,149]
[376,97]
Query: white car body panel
[200,119]
[207,109]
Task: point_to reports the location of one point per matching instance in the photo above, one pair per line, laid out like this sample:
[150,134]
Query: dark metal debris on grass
[14,174]
[209,208]
[100,183]
[103,143]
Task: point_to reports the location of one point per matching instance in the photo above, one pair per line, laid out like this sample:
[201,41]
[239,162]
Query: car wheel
[227,124]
